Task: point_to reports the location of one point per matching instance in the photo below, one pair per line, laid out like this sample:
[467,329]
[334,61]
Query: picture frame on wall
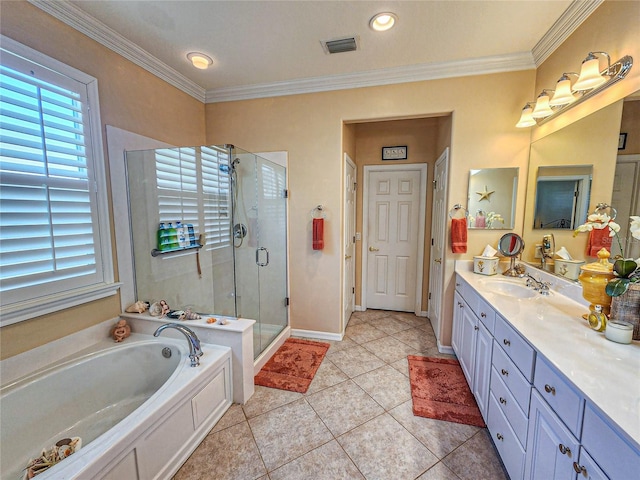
[622,141]
[394,153]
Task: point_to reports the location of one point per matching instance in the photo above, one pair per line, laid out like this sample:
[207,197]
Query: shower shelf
[155,252]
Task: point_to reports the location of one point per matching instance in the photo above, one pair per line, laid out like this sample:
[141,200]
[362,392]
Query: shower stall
[209,234]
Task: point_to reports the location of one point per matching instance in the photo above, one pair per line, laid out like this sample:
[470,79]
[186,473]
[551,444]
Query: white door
[349,239]
[438,241]
[395,236]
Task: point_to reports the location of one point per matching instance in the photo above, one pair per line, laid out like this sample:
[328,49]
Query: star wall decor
[486,194]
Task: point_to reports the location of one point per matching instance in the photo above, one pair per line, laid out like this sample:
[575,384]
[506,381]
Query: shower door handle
[258,262]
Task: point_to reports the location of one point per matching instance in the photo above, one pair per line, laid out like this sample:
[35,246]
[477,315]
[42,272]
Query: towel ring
[456,208]
[601,207]
[318,212]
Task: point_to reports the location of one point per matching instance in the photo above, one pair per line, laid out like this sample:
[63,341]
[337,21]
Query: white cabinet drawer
[486,314]
[509,448]
[561,395]
[615,455]
[509,407]
[505,369]
[522,354]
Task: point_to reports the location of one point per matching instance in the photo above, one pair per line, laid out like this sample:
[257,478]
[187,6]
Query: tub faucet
[195,352]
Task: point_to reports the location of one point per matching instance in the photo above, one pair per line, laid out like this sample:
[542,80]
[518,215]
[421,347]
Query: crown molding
[572,18]
[76,18]
[387,76]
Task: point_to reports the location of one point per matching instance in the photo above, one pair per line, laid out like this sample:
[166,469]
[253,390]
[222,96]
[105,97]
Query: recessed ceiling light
[383,21]
[199,60]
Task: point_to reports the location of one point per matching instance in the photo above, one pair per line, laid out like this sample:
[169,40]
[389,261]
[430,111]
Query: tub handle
[258,262]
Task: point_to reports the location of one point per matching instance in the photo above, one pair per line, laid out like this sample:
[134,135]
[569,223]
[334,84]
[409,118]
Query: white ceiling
[263,44]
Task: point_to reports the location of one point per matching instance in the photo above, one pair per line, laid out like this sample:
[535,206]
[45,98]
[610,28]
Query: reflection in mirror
[562,196]
[492,196]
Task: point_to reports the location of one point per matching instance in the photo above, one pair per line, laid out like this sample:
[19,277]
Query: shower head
[235,162]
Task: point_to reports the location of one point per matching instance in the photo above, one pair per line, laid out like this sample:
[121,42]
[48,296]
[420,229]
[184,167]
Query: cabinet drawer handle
[579,468]
[549,389]
[564,450]
[476,327]
[483,315]
[503,401]
[504,372]
[506,342]
[499,436]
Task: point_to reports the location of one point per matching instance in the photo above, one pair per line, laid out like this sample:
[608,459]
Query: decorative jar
[594,278]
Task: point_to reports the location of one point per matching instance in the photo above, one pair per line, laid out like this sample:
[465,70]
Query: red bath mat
[293,366]
[439,390]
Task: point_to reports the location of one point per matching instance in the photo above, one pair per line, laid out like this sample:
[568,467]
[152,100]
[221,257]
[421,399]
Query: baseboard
[358,308]
[422,314]
[445,349]
[315,334]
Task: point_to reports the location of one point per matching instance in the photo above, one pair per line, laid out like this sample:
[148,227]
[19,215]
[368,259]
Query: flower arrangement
[493,217]
[626,270]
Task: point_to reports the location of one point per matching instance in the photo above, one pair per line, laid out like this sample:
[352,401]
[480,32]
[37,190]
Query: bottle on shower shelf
[173,237]
[162,237]
[182,235]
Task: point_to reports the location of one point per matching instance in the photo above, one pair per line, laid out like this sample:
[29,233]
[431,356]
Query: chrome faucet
[547,250]
[195,352]
[538,285]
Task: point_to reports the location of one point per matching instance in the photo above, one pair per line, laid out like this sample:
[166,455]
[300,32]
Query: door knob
[347,257]
[374,249]
[438,260]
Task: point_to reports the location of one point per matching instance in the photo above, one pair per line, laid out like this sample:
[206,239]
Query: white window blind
[193,187]
[49,210]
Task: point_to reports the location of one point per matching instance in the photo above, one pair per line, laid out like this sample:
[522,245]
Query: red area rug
[293,366]
[439,390]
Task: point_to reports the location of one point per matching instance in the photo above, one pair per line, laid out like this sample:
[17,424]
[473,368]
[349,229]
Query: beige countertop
[607,373]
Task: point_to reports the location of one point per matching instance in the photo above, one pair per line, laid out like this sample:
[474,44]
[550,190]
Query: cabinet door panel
[551,448]
[456,332]
[588,469]
[503,437]
[468,334]
[482,370]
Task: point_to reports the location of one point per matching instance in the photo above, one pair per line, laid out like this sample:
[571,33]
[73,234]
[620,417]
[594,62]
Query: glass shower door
[260,247]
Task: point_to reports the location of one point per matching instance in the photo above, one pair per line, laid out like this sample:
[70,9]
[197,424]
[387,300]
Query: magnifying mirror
[511,245]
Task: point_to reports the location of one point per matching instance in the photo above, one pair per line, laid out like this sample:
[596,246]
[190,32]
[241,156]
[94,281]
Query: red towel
[318,234]
[598,239]
[459,235]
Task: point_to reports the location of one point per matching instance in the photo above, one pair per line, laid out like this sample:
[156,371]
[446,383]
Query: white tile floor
[354,422]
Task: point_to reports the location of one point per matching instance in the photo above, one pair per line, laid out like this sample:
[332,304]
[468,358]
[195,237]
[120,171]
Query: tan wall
[131,99]
[310,128]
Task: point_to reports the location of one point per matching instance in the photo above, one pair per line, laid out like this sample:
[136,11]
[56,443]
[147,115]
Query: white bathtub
[139,414]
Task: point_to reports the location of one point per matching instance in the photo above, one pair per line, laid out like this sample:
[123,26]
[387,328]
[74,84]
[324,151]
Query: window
[55,249]
[193,187]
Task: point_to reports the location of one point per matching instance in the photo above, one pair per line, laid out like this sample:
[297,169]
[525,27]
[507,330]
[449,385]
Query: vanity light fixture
[200,60]
[542,108]
[526,120]
[382,22]
[563,94]
[590,76]
[591,81]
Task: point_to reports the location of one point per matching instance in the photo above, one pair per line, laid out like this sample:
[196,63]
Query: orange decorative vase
[594,278]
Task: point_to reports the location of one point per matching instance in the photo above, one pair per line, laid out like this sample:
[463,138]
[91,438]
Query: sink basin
[509,288]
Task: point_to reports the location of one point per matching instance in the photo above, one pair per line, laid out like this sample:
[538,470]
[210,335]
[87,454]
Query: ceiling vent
[347,44]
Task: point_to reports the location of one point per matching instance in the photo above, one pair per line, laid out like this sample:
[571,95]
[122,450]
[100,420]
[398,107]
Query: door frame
[346,230]
[406,167]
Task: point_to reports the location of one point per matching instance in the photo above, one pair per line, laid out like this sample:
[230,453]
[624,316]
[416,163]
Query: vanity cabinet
[543,426]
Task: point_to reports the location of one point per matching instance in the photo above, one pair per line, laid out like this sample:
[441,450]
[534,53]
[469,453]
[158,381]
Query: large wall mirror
[491,198]
[581,155]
